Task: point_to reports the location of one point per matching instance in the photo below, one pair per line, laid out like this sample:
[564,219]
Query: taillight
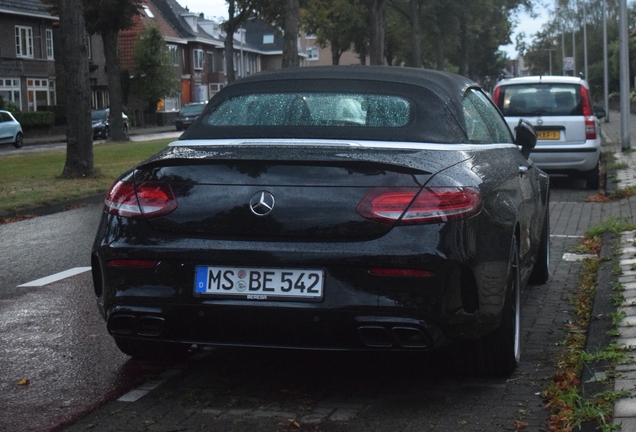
[405,206]
[588,113]
[143,200]
[495,97]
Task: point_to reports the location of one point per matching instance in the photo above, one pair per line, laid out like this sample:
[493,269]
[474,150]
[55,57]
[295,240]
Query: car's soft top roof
[438,97]
[441,83]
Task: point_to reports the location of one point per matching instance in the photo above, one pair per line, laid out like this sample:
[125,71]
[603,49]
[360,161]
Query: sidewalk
[59,134]
[625,176]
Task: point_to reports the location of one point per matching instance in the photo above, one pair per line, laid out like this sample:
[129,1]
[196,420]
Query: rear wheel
[593,177]
[19,140]
[498,354]
[152,350]
[541,271]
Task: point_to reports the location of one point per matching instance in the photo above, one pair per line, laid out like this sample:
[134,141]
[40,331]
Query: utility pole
[624,76]
[605,65]
[585,39]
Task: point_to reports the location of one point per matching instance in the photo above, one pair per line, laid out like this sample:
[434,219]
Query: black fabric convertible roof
[437,97]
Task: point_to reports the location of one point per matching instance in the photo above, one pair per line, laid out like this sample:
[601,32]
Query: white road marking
[577,257]
[565,236]
[56,277]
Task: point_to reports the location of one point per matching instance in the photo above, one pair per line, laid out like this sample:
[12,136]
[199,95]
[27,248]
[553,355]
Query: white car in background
[10,130]
[567,124]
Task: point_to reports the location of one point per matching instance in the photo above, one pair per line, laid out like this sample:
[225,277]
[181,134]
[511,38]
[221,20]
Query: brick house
[27,54]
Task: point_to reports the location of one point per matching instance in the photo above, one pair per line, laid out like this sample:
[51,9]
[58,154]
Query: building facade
[27,54]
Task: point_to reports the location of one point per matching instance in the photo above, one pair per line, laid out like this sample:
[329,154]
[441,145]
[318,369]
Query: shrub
[35,119]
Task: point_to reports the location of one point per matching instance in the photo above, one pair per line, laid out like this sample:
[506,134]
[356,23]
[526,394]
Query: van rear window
[540,100]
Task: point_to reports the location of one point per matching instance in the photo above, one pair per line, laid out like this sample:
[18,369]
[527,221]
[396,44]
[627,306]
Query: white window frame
[35,86]
[198,57]
[12,85]
[49,44]
[89,47]
[173,53]
[312,54]
[24,41]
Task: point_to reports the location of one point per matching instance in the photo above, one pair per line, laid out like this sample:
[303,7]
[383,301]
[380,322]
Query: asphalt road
[59,369]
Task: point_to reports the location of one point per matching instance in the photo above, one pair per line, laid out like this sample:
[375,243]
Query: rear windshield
[192,109]
[312,109]
[541,100]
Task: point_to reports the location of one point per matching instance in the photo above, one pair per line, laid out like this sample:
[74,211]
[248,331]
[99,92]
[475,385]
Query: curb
[47,209]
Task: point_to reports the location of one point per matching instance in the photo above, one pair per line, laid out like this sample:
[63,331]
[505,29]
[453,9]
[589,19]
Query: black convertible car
[344,208]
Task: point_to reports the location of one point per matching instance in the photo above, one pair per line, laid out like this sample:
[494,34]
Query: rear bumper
[567,158]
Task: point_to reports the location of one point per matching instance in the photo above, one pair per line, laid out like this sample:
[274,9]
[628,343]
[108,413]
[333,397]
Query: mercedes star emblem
[262,203]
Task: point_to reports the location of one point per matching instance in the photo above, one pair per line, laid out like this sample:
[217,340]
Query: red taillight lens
[588,113]
[400,272]
[146,199]
[495,97]
[405,206]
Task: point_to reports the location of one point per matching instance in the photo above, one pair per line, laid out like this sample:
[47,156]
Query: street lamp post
[605,65]
[624,76]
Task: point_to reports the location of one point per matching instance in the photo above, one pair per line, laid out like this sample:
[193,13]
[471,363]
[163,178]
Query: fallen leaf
[24,382]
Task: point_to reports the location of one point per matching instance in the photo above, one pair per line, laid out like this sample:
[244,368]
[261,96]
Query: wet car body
[291,205]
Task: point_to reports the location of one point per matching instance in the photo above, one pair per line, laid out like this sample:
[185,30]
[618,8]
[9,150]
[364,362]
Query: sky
[218,9]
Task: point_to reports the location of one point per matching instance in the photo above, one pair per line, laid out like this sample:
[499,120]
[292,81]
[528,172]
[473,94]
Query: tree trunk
[378,24]
[116,124]
[416,34]
[335,55]
[290,40]
[79,134]
[229,57]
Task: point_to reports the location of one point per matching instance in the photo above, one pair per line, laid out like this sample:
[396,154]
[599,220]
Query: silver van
[567,125]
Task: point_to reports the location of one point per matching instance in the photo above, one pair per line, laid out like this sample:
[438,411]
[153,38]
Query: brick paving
[262,390]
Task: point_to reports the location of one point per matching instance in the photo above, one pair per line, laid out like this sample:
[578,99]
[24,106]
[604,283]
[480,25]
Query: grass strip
[33,178]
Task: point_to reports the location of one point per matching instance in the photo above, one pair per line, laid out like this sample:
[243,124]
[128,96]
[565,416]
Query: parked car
[10,130]
[280,219]
[566,122]
[188,114]
[101,123]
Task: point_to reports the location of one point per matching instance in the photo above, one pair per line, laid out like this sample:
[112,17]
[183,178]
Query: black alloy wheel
[19,140]
[499,353]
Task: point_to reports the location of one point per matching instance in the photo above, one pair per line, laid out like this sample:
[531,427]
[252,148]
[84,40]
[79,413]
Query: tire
[153,351]
[541,271]
[593,177]
[498,354]
[19,140]
[126,131]
[106,133]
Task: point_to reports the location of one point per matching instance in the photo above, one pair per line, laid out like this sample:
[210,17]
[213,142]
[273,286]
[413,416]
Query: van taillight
[142,200]
[588,113]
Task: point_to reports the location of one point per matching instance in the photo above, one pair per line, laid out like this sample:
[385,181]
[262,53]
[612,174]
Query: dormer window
[148,12]
[268,39]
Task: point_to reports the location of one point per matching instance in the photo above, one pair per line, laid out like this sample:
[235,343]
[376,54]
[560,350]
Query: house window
[49,44]
[38,93]
[310,36]
[52,94]
[198,59]
[173,54]
[89,50]
[268,39]
[24,41]
[312,53]
[210,61]
[10,91]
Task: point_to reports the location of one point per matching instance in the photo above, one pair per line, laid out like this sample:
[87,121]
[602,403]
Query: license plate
[259,283]
[549,135]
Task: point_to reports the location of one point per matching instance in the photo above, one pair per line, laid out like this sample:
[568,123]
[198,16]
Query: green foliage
[614,224]
[154,76]
[34,119]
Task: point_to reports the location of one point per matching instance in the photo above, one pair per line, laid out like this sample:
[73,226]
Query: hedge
[33,119]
